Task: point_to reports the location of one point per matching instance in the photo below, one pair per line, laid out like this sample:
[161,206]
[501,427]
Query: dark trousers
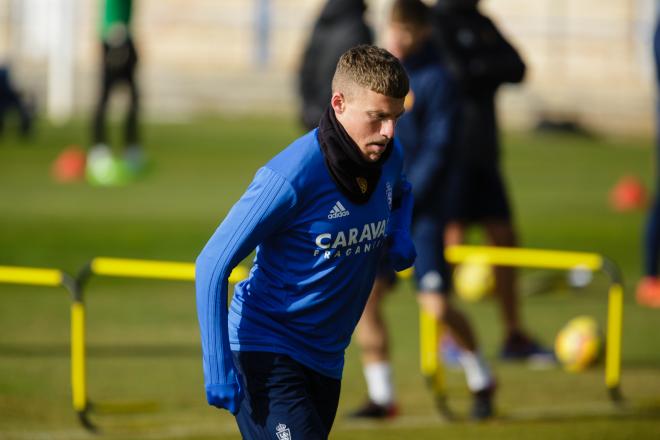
[284,400]
[118,68]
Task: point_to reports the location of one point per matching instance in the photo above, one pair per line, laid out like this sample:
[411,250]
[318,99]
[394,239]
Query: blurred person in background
[481,59]
[119,62]
[427,132]
[648,289]
[340,26]
[11,100]
[319,214]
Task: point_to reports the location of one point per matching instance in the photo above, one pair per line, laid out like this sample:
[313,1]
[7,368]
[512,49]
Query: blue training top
[315,263]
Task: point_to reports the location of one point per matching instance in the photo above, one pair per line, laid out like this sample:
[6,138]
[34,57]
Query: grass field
[143,338]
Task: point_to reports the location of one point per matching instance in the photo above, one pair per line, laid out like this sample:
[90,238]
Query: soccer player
[119,64]
[426,133]
[319,214]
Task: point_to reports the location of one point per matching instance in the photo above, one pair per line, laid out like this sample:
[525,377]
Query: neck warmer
[355,176]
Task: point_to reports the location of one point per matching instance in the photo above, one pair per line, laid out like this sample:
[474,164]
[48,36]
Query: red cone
[628,194]
[69,165]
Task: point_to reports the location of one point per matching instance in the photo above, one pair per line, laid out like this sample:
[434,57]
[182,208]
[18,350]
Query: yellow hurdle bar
[613,341]
[121,267]
[31,276]
[78,374]
[519,257]
[428,352]
[162,270]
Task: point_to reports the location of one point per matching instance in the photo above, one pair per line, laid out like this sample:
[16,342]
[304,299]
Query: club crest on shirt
[388,193]
[282,432]
[362,183]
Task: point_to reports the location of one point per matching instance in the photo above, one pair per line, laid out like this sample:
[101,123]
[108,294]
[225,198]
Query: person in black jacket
[340,27]
[481,59]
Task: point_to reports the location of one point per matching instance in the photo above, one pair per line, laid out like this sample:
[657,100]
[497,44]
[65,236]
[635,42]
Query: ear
[338,102]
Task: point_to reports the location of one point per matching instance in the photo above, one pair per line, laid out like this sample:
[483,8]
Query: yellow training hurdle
[432,367]
[121,268]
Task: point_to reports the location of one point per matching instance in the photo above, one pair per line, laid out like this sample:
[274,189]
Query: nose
[387,128]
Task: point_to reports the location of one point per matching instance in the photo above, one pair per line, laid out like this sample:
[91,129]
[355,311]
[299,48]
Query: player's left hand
[227,395]
[401,248]
[402,252]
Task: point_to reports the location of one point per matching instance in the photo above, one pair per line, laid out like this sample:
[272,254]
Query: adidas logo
[338,211]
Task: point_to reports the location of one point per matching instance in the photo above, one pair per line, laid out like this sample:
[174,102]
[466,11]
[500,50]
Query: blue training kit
[316,259]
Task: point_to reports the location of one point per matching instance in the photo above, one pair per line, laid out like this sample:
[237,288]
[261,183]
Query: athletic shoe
[372,410]
[482,404]
[519,346]
[135,161]
[648,292]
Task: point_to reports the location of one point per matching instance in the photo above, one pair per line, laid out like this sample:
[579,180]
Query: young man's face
[369,119]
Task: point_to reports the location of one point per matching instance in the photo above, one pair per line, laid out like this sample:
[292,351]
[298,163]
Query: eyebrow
[384,114]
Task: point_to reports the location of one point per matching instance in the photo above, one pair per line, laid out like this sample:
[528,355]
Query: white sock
[477,373]
[379,382]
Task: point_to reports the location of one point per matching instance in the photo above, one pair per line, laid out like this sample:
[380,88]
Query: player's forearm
[211,276]
[256,215]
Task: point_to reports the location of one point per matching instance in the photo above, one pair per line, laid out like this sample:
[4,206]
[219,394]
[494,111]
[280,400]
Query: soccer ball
[578,344]
[474,279]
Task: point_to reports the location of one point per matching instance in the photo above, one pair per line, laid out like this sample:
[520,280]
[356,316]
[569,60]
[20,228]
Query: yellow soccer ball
[239,274]
[474,279]
[578,344]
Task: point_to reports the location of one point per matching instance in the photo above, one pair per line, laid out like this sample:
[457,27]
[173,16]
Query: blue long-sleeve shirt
[427,128]
[316,259]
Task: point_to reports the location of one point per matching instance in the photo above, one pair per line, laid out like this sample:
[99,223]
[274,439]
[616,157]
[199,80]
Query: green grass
[143,338]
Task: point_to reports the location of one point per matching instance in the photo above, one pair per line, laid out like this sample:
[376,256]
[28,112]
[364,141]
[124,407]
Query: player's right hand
[225,396]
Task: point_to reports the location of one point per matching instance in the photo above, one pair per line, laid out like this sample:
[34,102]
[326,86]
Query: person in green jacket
[119,62]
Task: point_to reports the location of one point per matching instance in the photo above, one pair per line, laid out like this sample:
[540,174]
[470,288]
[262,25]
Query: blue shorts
[284,400]
[432,273]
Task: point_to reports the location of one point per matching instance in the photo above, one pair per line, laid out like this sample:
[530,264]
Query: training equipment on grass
[579,277]
[69,166]
[629,194]
[474,279]
[431,364]
[103,169]
[123,268]
[543,259]
[114,267]
[578,344]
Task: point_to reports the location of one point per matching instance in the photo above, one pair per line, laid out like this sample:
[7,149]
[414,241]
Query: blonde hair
[373,68]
